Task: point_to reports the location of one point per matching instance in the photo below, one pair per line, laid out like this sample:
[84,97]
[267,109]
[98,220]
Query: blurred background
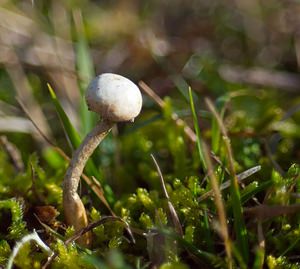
[247,48]
[242,54]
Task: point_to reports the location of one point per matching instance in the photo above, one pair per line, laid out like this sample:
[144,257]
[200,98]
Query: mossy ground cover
[207,176]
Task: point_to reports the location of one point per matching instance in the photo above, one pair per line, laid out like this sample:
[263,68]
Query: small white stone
[114,97]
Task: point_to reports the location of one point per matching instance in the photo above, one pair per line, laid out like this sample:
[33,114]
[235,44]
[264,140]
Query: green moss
[68,257]
[280,263]
[4,252]
[17,226]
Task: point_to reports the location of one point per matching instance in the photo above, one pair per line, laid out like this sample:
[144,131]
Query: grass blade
[85,69]
[197,129]
[208,235]
[71,133]
[215,129]
[183,87]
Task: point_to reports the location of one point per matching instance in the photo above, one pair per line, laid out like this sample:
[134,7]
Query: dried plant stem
[173,213]
[13,152]
[226,142]
[74,210]
[24,91]
[161,103]
[239,223]
[219,204]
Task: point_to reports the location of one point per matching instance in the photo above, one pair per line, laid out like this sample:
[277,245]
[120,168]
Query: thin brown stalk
[219,205]
[24,91]
[13,153]
[226,141]
[161,103]
[172,210]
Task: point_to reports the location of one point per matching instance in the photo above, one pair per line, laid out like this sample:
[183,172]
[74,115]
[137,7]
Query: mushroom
[115,98]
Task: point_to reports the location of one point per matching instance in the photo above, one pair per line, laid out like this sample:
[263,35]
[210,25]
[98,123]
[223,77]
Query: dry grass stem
[179,122]
[172,210]
[13,152]
[24,92]
[226,140]
[219,205]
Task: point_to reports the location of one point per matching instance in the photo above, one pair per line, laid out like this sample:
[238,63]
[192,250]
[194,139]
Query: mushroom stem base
[76,216]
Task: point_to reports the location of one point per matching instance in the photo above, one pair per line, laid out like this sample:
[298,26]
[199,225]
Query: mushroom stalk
[74,210]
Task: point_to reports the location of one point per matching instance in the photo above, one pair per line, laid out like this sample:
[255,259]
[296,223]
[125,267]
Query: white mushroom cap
[114,97]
